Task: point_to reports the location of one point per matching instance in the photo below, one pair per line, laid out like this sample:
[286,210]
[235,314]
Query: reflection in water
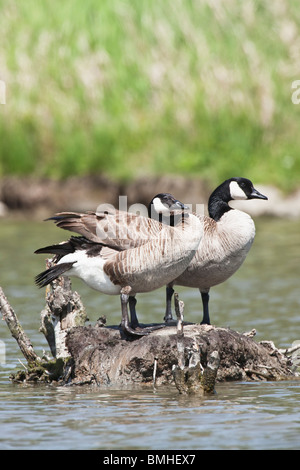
[262,295]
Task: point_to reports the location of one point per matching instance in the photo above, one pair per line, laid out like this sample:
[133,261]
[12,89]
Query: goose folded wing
[119,229]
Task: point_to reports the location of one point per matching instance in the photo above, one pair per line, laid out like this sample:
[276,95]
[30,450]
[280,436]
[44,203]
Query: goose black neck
[218,202]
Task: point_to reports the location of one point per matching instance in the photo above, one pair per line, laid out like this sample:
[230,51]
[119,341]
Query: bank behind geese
[165,253]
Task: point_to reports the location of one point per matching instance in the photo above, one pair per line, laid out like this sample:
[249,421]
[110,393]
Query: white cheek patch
[236,192]
[159,207]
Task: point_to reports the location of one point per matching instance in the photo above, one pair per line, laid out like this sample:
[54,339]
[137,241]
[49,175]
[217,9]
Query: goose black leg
[205,300]
[125,319]
[169,294]
[133,316]
[130,329]
[134,323]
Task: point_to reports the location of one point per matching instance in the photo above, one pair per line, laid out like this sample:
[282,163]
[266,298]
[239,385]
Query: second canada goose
[228,236]
[113,270]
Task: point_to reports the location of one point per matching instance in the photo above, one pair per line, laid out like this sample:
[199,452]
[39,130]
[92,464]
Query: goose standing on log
[228,236]
[166,252]
[227,239]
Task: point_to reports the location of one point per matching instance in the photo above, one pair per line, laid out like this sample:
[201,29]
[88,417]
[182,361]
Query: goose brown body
[111,266]
[222,250]
[156,262]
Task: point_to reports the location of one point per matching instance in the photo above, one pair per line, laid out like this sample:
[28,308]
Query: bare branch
[16,329]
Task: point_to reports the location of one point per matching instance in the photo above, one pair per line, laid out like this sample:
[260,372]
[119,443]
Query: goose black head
[232,189]
[242,188]
[165,206]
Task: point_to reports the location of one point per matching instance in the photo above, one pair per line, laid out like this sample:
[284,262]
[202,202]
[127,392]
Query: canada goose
[113,270]
[228,236]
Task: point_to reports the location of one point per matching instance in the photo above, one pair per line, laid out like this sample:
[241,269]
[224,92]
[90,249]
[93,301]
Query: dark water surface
[263,294]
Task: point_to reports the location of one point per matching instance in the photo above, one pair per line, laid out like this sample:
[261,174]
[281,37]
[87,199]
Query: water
[257,415]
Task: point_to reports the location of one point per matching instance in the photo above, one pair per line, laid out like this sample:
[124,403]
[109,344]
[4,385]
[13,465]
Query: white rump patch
[236,191]
[90,270]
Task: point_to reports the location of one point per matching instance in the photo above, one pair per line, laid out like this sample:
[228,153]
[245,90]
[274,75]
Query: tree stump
[102,356]
[192,357]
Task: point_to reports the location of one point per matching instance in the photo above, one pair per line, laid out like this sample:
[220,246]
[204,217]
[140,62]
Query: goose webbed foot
[154,327]
[130,329]
[133,332]
[133,327]
[138,330]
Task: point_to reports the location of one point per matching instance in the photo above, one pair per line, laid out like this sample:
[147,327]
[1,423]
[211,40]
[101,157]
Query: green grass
[135,87]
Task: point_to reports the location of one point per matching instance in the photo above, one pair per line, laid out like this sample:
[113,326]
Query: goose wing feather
[120,229]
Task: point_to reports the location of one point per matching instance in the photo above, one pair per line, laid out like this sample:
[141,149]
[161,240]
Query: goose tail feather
[46,277]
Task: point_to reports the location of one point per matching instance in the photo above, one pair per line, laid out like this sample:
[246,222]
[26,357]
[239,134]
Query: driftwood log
[192,357]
